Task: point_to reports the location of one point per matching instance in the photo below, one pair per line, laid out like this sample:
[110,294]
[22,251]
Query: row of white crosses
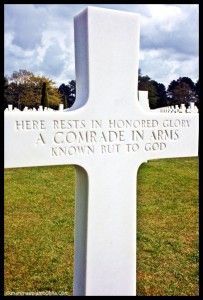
[40,108]
[143,100]
[142,97]
[182,109]
[106,135]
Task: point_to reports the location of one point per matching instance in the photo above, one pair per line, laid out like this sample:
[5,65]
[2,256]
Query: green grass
[39,221]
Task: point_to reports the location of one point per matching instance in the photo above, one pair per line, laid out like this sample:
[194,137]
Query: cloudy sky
[39,38]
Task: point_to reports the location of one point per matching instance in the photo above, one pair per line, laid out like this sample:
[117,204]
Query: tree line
[23,88]
[182,90]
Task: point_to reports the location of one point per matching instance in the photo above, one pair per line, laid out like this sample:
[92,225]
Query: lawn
[39,221]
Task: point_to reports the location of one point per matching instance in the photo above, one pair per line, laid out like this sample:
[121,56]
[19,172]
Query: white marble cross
[107,136]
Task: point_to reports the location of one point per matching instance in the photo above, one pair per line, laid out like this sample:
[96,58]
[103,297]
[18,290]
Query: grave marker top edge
[106,59]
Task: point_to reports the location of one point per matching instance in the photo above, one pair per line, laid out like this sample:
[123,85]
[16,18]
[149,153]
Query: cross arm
[174,135]
[42,138]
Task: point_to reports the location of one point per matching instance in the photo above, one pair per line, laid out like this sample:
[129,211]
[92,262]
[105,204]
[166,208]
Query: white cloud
[39,38]
[165,67]
[169,26]
[167,16]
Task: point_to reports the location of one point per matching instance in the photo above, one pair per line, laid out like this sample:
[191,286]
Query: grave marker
[107,135]
[143,99]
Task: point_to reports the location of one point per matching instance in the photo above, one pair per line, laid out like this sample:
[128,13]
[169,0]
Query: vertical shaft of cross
[110,261]
[107,57]
[80,231]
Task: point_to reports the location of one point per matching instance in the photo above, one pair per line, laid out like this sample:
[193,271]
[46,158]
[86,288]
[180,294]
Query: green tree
[44,98]
[7,98]
[155,90]
[181,90]
[68,93]
[197,92]
[25,89]
[161,99]
[144,84]
[182,93]
[170,92]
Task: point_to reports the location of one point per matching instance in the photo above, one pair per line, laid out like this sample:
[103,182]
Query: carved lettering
[30,124]
[84,137]
[40,139]
[60,151]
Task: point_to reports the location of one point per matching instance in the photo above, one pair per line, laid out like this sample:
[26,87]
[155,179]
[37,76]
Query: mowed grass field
[39,222]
